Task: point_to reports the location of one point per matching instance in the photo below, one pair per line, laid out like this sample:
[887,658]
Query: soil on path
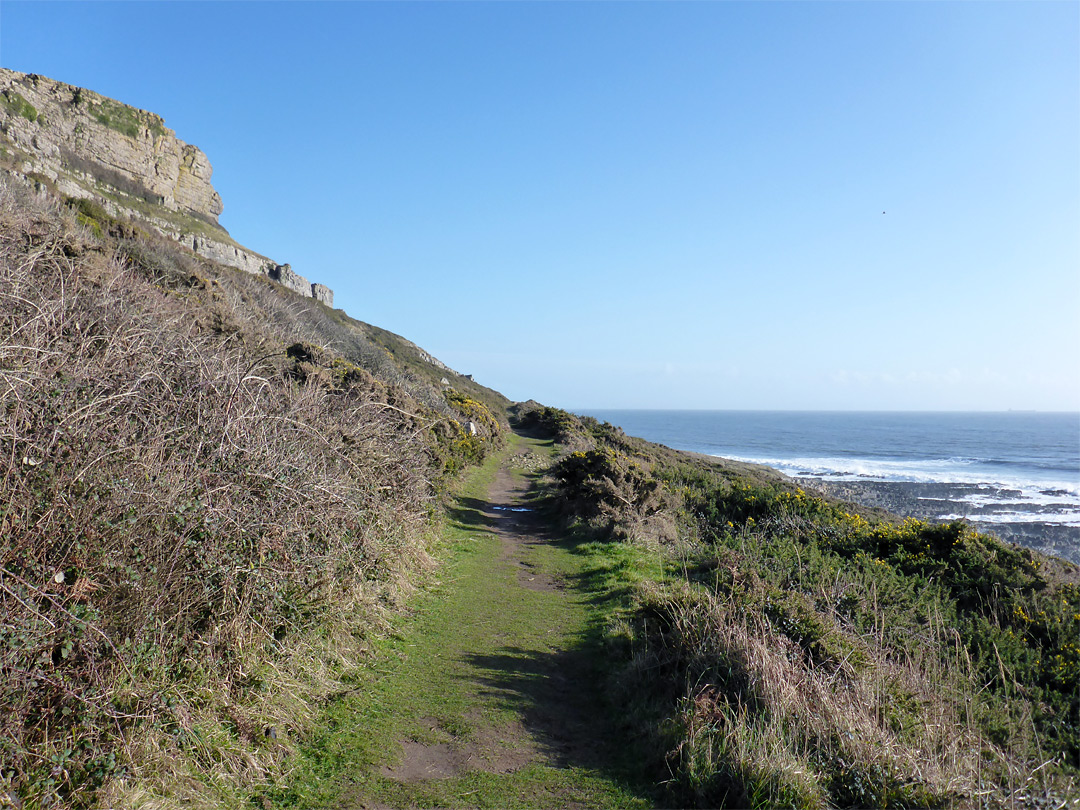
[558,726]
[492,696]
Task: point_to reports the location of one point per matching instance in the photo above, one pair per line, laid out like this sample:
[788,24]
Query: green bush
[548,422]
[91,214]
[606,485]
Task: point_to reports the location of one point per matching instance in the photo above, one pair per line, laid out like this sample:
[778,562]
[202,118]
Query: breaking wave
[1004,493]
[923,471]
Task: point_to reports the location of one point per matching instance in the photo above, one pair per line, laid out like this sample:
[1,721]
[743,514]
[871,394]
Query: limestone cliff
[82,144]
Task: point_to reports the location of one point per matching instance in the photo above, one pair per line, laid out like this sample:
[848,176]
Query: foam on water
[1023,497]
[923,471]
[1002,498]
[1071,519]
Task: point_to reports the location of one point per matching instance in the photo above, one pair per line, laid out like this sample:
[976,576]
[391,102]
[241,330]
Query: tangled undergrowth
[198,530]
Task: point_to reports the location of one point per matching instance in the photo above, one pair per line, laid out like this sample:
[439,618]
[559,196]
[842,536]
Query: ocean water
[1002,469]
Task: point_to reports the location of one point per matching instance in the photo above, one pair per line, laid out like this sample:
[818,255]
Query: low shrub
[608,490]
[800,652]
[547,422]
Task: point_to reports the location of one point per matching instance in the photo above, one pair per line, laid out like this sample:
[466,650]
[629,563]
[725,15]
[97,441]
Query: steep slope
[118,163]
[215,486]
[203,509]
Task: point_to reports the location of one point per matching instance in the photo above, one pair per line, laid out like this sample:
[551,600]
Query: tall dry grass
[195,543]
[759,723]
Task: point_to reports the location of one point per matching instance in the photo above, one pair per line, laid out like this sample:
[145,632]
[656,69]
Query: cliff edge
[85,145]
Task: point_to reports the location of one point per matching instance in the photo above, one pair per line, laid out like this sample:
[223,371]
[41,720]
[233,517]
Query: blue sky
[668,205]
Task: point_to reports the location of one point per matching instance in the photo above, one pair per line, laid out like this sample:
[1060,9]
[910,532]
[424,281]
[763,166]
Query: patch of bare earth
[494,750]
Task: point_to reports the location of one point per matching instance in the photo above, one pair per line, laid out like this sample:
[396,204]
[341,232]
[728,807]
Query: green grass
[19,105]
[468,662]
[124,119]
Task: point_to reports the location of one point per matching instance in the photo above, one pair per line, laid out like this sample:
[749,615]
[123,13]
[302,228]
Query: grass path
[487,695]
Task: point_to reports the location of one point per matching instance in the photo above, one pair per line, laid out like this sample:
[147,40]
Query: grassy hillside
[213,491]
[216,492]
[795,651]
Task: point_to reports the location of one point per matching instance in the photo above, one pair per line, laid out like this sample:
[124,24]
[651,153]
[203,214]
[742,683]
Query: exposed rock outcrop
[83,144]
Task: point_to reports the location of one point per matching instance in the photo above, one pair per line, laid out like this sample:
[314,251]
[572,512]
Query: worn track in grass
[488,695]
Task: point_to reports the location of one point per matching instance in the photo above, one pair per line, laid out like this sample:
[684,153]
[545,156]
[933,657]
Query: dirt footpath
[488,692]
[558,725]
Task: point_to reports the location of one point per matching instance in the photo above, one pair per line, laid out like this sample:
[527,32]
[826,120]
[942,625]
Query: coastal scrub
[798,651]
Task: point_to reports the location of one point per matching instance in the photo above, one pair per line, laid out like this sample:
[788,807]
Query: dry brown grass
[760,724]
[194,542]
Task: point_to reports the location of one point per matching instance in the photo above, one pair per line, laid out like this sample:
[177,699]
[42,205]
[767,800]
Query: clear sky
[775,205]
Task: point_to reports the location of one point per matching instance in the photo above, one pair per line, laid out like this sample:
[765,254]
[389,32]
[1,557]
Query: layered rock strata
[83,144]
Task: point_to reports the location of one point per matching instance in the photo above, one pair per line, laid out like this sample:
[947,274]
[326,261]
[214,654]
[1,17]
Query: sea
[1016,474]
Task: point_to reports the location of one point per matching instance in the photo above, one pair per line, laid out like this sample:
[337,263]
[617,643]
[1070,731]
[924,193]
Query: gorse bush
[800,652]
[474,411]
[184,515]
[457,448]
[608,488]
[548,422]
[1018,624]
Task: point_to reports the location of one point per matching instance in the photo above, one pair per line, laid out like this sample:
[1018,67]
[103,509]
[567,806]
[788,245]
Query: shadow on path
[542,669]
[555,695]
[469,512]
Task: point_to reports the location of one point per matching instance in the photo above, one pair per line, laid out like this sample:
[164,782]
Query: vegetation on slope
[215,491]
[212,494]
[799,652]
[18,105]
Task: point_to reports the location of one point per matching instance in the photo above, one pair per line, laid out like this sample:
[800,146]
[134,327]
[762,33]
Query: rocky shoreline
[929,501]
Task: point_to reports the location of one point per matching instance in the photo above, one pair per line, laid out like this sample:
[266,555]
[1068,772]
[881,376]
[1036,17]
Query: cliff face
[74,131]
[83,144]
